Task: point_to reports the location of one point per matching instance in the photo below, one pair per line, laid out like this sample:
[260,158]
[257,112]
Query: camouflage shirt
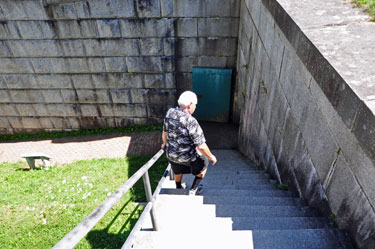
[183,135]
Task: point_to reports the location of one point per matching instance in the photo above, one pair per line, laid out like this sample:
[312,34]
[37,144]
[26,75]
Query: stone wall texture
[78,64]
[301,120]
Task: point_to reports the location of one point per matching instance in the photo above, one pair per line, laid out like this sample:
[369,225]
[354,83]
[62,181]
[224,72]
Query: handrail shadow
[82,229]
[104,239]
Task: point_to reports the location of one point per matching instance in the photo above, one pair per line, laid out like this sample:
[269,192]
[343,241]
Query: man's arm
[203,148]
[164,138]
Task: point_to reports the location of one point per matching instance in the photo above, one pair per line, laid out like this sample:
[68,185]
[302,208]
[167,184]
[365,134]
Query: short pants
[195,167]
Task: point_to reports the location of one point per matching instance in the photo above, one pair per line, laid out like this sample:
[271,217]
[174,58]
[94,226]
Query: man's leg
[179,170]
[202,174]
[178,180]
[199,169]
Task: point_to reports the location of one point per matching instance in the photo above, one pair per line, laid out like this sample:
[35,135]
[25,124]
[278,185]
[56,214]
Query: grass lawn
[368,5]
[83,132]
[38,207]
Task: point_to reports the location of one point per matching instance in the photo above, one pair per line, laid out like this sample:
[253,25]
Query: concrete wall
[207,32]
[70,64]
[302,121]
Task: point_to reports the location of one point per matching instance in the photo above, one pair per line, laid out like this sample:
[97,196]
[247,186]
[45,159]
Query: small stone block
[109,28]
[64,11]
[148,8]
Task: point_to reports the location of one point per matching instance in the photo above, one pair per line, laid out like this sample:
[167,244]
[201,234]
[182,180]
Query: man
[185,144]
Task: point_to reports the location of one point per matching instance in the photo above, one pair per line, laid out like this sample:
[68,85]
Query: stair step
[236,175]
[227,184]
[236,172]
[174,191]
[297,239]
[184,223]
[233,168]
[256,239]
[279,223]
[247,193]
[264,211]
[188,240]
[238,181]
[249,186]
[254,201]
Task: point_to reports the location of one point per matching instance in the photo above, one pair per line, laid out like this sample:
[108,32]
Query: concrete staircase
[240,208]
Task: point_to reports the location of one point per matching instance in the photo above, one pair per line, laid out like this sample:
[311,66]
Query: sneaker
[197,191]
[183,186]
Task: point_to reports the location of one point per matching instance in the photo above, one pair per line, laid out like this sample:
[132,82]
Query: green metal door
[213,86]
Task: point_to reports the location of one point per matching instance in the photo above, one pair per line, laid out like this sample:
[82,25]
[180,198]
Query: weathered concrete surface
[345,36]
[301,116]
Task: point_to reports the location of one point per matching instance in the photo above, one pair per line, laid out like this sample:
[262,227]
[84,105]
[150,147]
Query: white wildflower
[59,190]
[84,178]
[27,208]
[78,184]
[44,221]
[63,181]
[109,193]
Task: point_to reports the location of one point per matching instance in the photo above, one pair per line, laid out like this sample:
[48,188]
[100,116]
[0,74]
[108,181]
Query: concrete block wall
[302,121]
[206,35]
[70,64]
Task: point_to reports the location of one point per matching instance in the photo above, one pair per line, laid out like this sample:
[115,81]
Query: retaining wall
[302,121]
[71,64]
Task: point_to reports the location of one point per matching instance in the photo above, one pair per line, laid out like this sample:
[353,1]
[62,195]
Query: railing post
[171,174]
[146,182]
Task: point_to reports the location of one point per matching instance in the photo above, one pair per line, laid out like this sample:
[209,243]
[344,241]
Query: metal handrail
[129,241]
[74,236]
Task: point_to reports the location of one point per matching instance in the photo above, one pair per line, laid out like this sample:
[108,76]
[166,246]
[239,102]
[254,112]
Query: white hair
[186,98]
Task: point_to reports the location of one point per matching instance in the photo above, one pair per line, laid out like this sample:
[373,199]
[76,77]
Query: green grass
[39,207]
[61,134]
[368,5]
